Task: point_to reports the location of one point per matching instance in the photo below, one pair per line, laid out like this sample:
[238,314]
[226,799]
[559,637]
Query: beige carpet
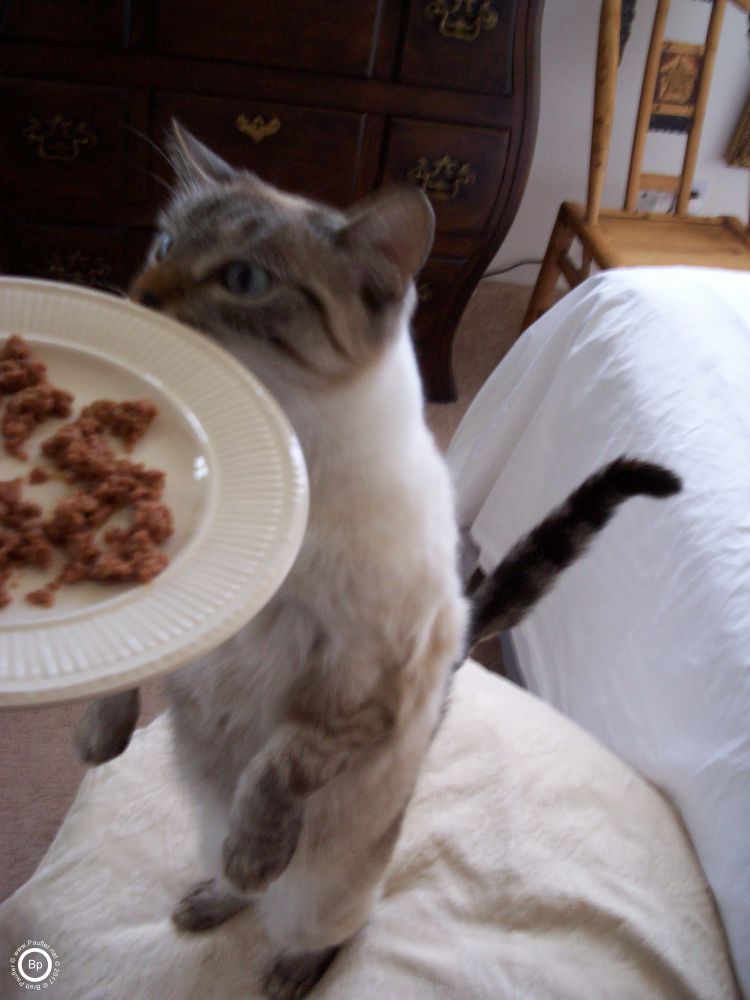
[39,772]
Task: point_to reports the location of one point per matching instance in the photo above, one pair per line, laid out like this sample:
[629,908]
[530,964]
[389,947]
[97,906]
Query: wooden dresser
[330,98]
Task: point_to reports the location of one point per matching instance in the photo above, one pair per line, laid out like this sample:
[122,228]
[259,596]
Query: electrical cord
[510,267]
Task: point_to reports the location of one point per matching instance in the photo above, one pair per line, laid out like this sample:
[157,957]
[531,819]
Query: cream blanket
[533,864]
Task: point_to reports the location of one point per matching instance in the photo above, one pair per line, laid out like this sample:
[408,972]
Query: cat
[304,733]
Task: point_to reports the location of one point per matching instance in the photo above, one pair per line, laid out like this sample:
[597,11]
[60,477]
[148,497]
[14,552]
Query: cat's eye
[163,246]
[242,277]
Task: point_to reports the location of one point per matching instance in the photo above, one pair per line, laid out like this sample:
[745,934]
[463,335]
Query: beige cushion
[533,863]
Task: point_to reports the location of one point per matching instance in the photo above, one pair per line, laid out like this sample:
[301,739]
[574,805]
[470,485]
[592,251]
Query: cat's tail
[534,563]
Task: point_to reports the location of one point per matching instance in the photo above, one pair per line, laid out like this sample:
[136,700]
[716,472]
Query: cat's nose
[149,299]
[153,288]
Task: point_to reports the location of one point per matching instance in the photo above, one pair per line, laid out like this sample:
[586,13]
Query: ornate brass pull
[425,292]
[441,179]
[462,19]
[258,129]
[59,137]
[78,268]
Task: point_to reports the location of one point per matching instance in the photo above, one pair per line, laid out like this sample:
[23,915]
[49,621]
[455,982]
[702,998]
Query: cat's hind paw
[293,976]
[205,906]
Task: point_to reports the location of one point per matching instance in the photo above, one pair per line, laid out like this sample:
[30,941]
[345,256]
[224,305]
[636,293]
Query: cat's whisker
[155,177]
[149,141]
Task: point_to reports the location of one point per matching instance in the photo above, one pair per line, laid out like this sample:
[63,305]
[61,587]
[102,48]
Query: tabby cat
[303,735]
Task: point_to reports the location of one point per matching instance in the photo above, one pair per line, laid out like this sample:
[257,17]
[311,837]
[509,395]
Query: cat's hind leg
[106,726]
[208,904]
[293,976]
[326,895]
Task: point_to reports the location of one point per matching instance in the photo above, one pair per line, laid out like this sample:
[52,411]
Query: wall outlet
[661,201]
[654,201]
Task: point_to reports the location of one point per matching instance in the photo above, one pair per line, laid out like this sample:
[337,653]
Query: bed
[646,642]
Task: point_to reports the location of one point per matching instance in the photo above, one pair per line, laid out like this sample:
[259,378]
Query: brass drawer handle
[78,268]
[441,179]
[258,129]
[462,20]
[425,292]
[59,137]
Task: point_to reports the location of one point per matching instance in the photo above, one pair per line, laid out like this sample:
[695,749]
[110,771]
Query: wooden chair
[673,98]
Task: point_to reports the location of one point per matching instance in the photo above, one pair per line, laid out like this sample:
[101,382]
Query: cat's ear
[192,161]
[395,224]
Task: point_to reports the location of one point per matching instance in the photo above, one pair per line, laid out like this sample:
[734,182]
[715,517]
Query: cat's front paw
[106,727]
[205,906]
[252,859]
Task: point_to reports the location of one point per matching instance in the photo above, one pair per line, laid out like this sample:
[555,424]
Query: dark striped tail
[534,563]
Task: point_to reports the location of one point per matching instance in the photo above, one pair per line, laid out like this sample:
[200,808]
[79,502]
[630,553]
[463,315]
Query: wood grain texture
[627,238]
[362,91]
[605,91]
[645,104]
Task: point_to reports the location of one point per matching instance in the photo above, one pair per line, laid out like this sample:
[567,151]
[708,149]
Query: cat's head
[280,280]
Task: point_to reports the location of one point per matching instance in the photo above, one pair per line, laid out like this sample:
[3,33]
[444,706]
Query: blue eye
[163,246]
[241,277]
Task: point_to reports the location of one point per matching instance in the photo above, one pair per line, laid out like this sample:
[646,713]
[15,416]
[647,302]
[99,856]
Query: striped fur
[532,566]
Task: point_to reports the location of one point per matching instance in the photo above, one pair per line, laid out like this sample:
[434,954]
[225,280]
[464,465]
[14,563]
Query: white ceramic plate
[236,484]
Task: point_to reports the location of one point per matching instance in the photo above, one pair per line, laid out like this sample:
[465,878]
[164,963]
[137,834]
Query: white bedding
[533,865]
[645,642]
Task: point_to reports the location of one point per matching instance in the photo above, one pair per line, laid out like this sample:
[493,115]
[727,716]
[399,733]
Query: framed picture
[738,154]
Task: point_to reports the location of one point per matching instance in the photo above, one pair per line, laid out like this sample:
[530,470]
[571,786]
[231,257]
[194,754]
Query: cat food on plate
[23,541]
[18,368]
[80,453]
[28,408]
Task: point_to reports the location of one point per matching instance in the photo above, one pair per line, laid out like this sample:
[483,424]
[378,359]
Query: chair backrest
[674,94]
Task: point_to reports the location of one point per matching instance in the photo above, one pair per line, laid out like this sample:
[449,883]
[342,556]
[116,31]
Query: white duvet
[533,865]
[646,641]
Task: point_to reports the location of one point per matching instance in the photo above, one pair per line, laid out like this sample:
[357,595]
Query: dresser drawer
[92,23]
[434,287]
[460,45]
[316,153]
[459,169]
[323,35]
[62,140]
[105,257]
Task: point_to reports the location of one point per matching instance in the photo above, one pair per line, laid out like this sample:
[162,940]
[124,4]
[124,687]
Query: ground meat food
[84,455]
[109,484]
[128,420]
[44,596]
[106,483]
[23,541]
[37,476]
[76,513]
[18,368]
[28,408]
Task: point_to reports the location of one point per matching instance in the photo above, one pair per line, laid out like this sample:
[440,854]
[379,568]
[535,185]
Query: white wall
[560,165]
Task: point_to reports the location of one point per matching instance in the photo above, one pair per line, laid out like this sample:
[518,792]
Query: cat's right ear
[193,162]
[393,226]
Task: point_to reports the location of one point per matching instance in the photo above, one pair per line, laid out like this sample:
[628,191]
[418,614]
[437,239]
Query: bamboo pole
[646,103]
[694,138]
[604,103]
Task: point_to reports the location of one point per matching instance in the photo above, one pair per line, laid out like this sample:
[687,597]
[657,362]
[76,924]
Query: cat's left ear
[394,224]
[192,161]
